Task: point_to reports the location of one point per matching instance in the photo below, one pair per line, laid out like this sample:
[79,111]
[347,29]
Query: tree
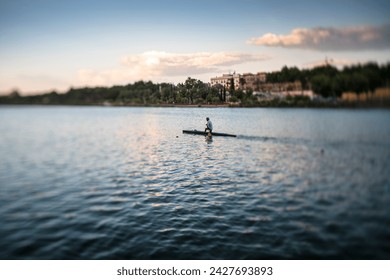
[358,83]
[385,75]
[231,86]
[166,92]
[327,70]
[304,79]
[372,72]
[194,90]
[339,84]
[290,75]
[242,82]
[322,85]
[239,94]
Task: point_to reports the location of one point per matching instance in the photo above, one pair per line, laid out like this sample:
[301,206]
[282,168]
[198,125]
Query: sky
[55,45]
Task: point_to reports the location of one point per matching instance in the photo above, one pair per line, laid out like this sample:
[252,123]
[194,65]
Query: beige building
[226,79]
[262,76]
[244,81]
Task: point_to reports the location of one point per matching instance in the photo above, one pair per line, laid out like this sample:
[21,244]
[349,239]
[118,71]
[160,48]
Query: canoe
[199,132]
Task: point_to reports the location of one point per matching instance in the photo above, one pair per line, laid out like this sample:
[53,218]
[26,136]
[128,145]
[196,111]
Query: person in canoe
[209,125]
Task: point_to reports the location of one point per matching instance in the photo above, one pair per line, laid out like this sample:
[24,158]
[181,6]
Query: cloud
[172,64]
[153,65]
[330,39]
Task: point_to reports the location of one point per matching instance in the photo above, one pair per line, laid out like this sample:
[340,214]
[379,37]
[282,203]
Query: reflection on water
[125,183]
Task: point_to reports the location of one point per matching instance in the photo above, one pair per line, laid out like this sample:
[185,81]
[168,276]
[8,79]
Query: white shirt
[209,124]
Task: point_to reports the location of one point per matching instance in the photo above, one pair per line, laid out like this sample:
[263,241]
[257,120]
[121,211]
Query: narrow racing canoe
[199,132]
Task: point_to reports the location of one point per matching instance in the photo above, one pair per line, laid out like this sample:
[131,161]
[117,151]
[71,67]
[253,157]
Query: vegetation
[326,81]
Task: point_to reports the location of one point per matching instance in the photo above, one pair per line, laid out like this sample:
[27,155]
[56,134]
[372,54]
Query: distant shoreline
[385,104]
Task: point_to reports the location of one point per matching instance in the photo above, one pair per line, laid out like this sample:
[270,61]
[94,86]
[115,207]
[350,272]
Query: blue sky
[49,44]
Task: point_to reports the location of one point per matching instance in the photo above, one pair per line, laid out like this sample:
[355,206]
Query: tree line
[192,91]
[326,81]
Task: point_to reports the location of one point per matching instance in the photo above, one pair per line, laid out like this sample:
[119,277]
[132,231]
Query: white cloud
[153,65]
[172,64]
[330,39]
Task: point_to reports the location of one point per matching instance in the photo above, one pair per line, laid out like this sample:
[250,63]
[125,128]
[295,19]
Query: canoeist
[209,125]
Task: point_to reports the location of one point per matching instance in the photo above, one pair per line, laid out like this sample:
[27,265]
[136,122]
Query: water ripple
[76,188]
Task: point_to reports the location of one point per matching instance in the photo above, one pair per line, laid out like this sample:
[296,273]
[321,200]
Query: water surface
[125,183]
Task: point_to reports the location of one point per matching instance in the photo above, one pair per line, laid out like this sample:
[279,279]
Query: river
[125,183]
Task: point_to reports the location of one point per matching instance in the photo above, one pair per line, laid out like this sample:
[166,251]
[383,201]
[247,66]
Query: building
[262,77]
[226,80]
[245,81]
[249,81]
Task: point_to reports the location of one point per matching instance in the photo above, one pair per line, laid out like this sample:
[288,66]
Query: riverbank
[263,104]
[298,101]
